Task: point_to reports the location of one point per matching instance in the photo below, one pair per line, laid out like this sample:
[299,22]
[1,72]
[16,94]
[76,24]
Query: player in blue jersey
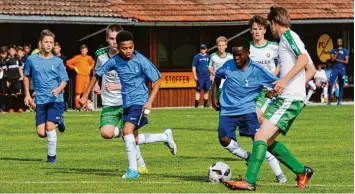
[340,57]
[134,70]
[50,78]
[244,79]
[201,75]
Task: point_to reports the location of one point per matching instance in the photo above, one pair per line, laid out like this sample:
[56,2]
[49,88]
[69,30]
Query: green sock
[256,159]
[280,151]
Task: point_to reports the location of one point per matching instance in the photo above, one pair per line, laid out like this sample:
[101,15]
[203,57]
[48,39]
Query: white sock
[150,138]
[52,142]
[309,94]
[273,163]
[140,161]
[235,149]
[131,151]
[117,132]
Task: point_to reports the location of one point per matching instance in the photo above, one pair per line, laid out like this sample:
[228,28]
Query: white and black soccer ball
[219,172]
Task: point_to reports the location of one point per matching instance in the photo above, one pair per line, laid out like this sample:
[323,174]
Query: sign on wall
[324,46]
[177,80]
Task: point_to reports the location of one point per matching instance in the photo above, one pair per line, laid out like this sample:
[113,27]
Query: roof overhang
[64,20]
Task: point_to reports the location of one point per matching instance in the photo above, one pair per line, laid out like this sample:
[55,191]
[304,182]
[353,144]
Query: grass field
[321,137]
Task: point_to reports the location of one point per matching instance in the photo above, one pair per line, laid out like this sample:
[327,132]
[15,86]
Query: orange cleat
[240,185]
[303,179]
[11,110]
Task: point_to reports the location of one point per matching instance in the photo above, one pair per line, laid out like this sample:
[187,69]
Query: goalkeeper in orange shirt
[82,64]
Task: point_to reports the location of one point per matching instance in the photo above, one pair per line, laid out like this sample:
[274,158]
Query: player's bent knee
[106,134]
[224,141]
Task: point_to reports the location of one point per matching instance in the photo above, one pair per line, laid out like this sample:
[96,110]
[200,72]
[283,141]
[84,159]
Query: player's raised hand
[55,92]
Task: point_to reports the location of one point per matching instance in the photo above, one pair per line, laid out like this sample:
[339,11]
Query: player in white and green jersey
[279,116]
[265,54]
[218,58]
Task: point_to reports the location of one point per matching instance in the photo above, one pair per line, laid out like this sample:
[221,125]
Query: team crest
[246,81]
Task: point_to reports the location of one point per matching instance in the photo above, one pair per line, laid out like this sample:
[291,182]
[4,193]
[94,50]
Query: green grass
[321,137]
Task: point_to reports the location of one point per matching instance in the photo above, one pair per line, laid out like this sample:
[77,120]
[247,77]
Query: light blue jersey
[242,86]
[133,75]
[47,75]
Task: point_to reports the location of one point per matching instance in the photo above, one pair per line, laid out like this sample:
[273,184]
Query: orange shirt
[83,64]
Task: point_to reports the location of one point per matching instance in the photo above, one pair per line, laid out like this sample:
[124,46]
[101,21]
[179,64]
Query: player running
[279,116]
[264,53]
[134,70]
[49,78]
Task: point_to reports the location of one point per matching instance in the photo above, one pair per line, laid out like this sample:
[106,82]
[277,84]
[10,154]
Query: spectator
[14,78]
[3,79]
[82,64]
[21,56]
[57,52]
[201,75]
[27,49]
[37,49]
[340,57]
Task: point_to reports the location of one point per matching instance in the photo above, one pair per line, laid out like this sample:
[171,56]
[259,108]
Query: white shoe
[170,143]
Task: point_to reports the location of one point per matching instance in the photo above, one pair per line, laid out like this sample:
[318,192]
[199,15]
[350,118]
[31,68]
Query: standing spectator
[201,75]
[27,48]
[3,79]
[340,57]
[82,64]
[21,56]
[14,78]
[57,52]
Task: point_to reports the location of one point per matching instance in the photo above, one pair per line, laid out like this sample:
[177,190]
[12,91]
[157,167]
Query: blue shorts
[248,125]
[134,114]
[203,84]
[52,111]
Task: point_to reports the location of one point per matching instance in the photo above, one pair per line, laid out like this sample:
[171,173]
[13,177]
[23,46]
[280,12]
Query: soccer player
[14,75]
[340,57]
[49,78]
[218,58]
[288,105]
[244,80]
[201,75]
[134,70]
[264,53]
[82,64]
[111,120]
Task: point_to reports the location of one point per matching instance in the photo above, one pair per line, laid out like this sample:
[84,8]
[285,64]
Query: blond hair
[46,32]
[221,39]
[280,16]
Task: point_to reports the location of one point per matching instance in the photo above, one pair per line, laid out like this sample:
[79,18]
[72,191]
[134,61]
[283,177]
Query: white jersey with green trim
[109,98]
[265,55]
[290,47]
[217,62]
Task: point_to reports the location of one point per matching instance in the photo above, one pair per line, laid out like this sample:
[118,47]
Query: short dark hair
[241,42]
[113,28]
[19,48]
[257,19]
[57,44]
[280,16]
[12,46]
[124,36]
[28,45]
[83,46]
[3,49]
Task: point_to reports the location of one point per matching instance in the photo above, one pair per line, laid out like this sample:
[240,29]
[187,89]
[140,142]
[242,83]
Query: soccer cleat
[303,179]
[20,110]
[329,103]
[239,185]
[61,126]
[130,174]
[281,178]
[11,110]
[142,170]
[170,143]
[51,159]
[339,103]
[206,106]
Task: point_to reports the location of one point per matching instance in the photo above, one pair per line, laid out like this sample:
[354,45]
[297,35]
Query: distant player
[111,120]
[218,58]
[134,70]
[340,58]
[201,75]
[264,53]
[49,78]
[3,79]
[279,116]
[82,64]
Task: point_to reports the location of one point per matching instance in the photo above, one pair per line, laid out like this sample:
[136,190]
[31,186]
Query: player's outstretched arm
[152,96]
[84,98]
[302,61]
[215,86]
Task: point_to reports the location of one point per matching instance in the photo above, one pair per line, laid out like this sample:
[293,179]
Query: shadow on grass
[23,159]
[93,171]
[194,129]
[221,159]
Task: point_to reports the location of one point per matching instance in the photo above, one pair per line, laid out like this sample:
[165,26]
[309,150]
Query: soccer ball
[219,172]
